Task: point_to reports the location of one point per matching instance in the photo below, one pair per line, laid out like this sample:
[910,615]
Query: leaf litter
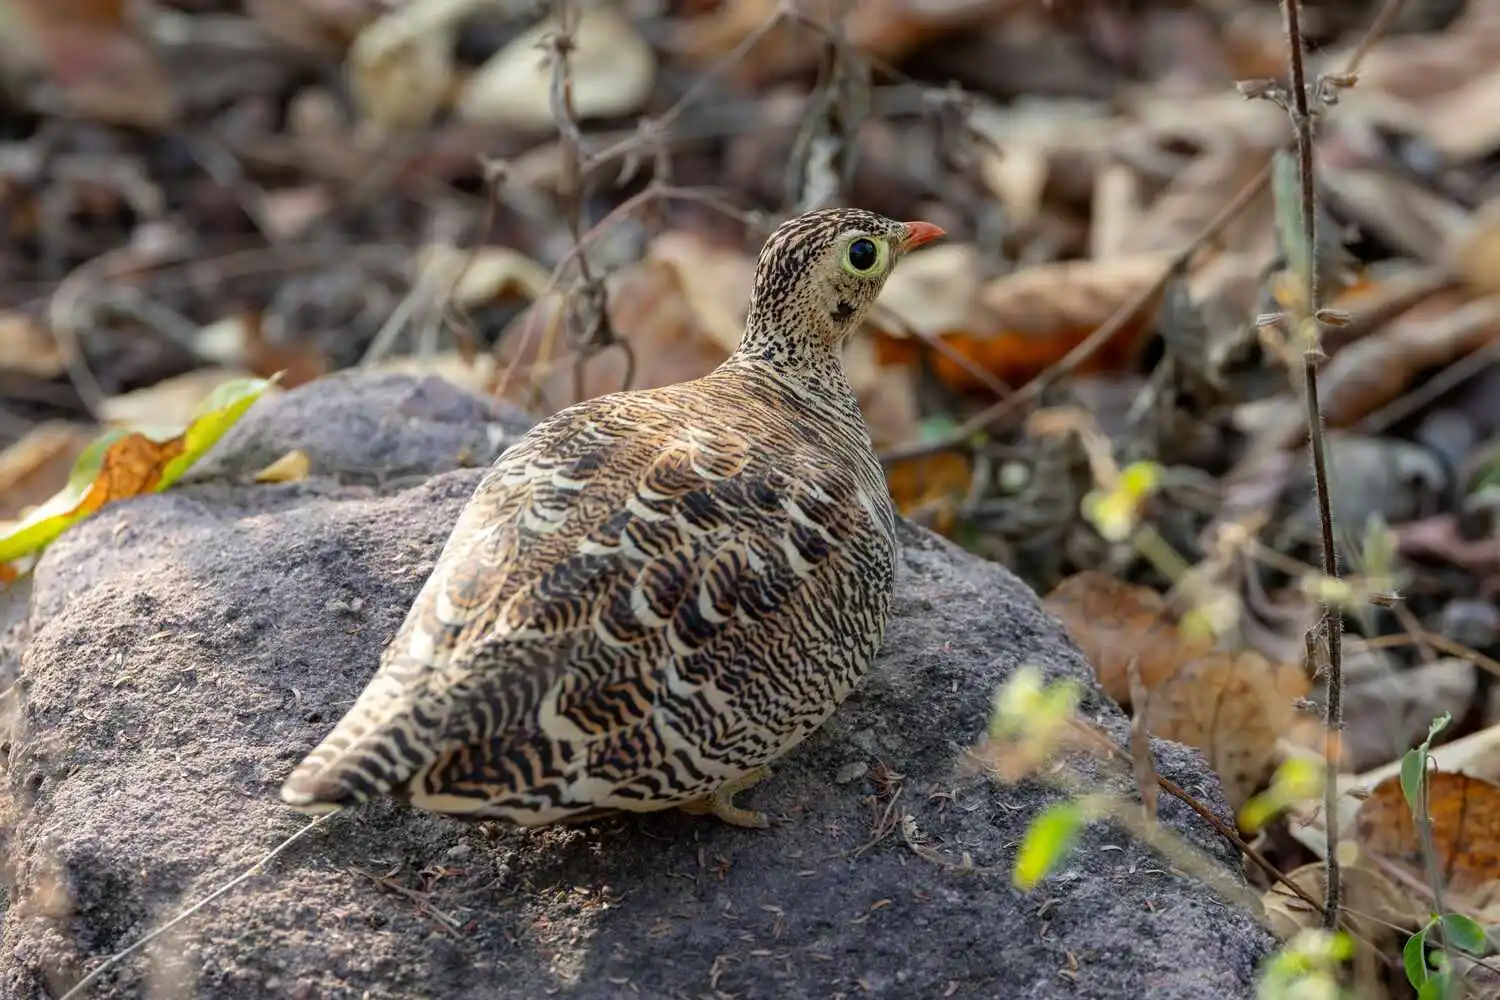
[183,204]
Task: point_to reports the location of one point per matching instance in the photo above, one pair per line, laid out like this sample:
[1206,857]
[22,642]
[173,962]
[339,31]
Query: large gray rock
[182,651]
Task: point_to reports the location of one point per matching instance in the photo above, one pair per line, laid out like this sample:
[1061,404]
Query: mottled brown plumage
[654,594]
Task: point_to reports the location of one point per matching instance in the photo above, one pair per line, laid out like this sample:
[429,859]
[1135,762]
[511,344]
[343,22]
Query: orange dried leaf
[1113,622]
[1465,815]
[1028,321]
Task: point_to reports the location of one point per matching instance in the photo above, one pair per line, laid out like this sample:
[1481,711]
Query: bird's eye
[863,255]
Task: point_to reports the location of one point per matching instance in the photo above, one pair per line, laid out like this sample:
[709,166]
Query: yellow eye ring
[866,256]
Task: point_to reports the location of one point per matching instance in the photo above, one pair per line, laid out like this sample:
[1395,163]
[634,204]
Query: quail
[654,594]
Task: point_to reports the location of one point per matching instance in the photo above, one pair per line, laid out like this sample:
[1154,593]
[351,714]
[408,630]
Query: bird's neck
[780,339]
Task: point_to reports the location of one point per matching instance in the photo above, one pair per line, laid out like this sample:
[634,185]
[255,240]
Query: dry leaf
[400,68]
[1476,254]
[36,466]
[1113,622]
[170,402]
[1235,707]
[886,29]
[1232,706]
[1028,321]
[122,463]
[649,309]
[292,467]
[1465,815]
[612,71]
[717,281]
[1373,371]
[935,292]
[105,70]
[931,487]
[492,274]
[27,348]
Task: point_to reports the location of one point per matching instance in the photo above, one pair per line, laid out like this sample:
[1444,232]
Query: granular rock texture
[182,651]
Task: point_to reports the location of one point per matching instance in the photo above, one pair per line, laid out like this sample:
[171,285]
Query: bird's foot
[721,802]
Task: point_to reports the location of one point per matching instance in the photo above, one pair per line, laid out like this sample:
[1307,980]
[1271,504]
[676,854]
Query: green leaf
[1048,840]
[1438,987]
[147,463]
[1464,933]
[1413,768]
[1414,957]
[1437,726]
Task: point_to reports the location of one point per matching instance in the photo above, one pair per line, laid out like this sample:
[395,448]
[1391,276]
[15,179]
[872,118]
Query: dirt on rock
[182,651]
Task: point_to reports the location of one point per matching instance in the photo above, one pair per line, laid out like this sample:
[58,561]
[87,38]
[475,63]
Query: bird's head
[819,273]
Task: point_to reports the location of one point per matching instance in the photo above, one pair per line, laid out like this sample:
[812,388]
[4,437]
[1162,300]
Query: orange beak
[918,233]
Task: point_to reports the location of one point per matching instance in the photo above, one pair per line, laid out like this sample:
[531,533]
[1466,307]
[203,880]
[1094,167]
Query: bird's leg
[721,802]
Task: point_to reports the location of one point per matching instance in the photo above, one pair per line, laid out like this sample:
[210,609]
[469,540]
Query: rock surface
[183,651]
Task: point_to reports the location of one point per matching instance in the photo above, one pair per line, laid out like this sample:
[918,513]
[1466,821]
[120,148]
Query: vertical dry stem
[1309,326]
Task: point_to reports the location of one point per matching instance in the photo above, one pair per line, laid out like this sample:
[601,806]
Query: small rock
[852,771]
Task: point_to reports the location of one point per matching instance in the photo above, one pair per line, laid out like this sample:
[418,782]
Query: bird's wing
[613,540]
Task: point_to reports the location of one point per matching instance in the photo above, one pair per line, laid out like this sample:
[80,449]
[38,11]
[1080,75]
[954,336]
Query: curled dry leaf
[717,281]
[612,71]
[1465,815]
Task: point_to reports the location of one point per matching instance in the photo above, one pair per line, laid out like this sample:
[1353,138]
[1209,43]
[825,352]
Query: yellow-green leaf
[1048,840]
[122,463]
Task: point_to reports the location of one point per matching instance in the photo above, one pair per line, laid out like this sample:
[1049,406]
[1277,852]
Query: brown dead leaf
[1232,706]
[1114,622]
[37,465]
[717,281]
[104,68]
[1235,707]
[132,467]
[1465,815]
[649,309]
[292,467]
[885,29]
[1029,320]
[931,487]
